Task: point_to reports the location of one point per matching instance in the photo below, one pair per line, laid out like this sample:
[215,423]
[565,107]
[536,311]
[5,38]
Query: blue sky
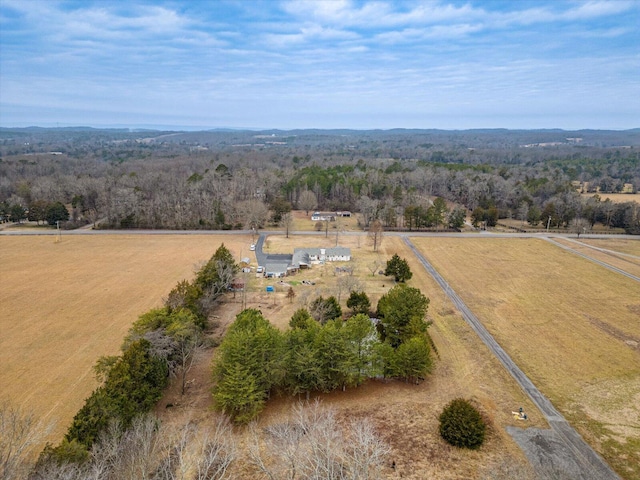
[321,64]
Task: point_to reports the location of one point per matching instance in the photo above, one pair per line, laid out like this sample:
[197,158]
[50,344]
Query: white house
[305,257]
[323,217]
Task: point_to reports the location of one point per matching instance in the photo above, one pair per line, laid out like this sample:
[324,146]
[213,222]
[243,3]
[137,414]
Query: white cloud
[595,9]
[377,13]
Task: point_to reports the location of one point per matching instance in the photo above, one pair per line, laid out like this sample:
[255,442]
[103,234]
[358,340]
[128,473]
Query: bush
[461,425]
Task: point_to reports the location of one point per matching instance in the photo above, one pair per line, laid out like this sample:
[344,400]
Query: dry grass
[302,222]
[66,304]
[624,262]
[615,197]
[406,415]
[71,302]
[571,325]
[630,247]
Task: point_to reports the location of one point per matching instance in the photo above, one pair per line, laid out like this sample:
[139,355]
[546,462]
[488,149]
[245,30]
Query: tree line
[309,444]
[256,360]
[129,184]
[161,343]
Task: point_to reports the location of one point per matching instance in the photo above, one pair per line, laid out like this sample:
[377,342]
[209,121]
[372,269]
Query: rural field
[628,262]
[628,247]
[572,326]
[68,303]
[406,415]
[615,197]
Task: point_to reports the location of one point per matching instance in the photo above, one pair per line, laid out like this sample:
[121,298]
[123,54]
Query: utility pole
[548,223]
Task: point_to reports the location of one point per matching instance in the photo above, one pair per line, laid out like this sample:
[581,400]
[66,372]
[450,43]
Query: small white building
[323,217]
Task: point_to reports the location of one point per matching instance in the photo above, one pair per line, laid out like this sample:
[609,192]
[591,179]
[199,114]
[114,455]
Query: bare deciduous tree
[374,266]
[307,201]
[205,451]
[225,274]
[580,226]
[190,343]
[365,450]
[253,213]
[348,284]
[20,434]
[376,231]
[287,221]
[312,445]
[130,453]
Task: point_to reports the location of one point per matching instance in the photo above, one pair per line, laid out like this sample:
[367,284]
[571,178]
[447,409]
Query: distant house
[343,214]
[323,217]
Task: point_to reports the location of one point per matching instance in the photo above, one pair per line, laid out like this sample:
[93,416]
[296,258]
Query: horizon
[343,64]
[195,129]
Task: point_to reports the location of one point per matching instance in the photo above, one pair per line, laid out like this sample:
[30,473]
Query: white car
[252,247]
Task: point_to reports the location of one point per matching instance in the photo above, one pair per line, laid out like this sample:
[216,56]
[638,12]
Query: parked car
[252,247]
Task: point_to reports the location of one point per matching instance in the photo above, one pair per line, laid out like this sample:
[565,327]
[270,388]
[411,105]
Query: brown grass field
[615,197]
[64,305]
[612,257]
[571,325]
[630,247]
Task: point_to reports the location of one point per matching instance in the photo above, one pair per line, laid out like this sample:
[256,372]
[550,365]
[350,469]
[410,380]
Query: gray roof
[300,256]
[276,268]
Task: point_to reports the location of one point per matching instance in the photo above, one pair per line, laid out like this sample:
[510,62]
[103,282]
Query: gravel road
[591,259]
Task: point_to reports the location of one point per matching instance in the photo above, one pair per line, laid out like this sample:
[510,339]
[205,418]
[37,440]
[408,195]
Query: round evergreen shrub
[461,424]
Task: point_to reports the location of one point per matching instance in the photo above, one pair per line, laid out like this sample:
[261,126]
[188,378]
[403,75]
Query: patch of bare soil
[197,402]
[629,340]
[615,404]
[547,453]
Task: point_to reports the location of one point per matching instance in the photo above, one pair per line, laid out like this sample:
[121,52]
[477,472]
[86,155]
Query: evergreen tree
[134,384]
[398,268]
[302,360]
[359,302]
[323,310]
[456,218]
[56,212]
[413,359]
[402,311]
[216,275]
[362,338]
[238,395]
[461,424]
[300,319]
[336,360]
[258,347]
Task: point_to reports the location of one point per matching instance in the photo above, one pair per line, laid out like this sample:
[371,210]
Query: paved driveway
[264,258]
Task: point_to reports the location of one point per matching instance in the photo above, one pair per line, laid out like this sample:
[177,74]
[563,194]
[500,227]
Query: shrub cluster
[255,358]
[461,424]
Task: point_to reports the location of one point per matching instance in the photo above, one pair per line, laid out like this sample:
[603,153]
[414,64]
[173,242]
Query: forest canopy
[245,179]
